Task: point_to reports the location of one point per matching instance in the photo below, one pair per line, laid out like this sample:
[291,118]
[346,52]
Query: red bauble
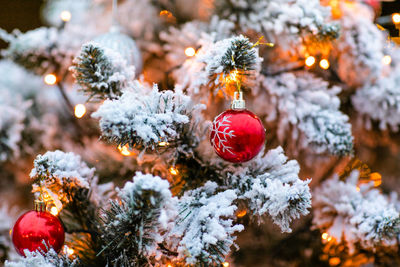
[237,135]
[35,226]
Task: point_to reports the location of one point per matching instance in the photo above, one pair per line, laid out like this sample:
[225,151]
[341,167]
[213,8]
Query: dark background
[25,15]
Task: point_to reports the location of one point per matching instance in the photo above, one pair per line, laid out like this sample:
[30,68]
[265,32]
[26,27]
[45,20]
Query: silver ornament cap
[238,102]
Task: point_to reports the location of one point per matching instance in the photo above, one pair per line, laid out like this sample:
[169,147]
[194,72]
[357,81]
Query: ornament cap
[40,205]
[238,103]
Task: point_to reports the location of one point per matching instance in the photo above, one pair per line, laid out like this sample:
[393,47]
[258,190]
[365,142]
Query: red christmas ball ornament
[237,135]
[36,227]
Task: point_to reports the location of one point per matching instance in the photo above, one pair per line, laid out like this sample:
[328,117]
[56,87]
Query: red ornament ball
[35,226]
[237,135]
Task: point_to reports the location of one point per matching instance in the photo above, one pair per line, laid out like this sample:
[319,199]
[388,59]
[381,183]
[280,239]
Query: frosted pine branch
[101,72]
[63,174]
[359,216]
[279,19]
[360,48]
[143,119]
[135,224]
[190,35]
[306,106]
[218,62]
[43,50]
[37,259]
[380,101]
[271,185]
[204,229]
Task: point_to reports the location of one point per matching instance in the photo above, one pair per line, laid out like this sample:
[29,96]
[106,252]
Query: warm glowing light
[325,236]
[163,143]
[225,264]
[79,110]
[173,170]
[387,60]
[125,150]
[54,210]
[324,64]
[334,261]
[376,178]
[10,232]
[164,12]
[190,52]
[50,79]
[232,77]
[241,213]
[68,251]
[310,61]
[65,16]
[169,265]
[396,18]
[358,189]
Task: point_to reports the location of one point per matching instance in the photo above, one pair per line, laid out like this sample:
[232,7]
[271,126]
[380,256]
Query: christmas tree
[201,133]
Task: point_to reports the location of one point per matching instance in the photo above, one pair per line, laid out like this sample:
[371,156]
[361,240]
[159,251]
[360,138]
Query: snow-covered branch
[279,20]
[380,101]
[137,222]
[143,119]
[101,72]
[204,231]
[306,106]
[358,215]
[43,50]
[271,185]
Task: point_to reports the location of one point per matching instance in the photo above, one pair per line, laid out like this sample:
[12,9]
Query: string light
[396,18]
[10,232]
[169,265]
[163,143]
[310,61]
[173,170]
[241,213]
[324,64]
[376,178]
[50,79]
[334,261]
[68,251]
[324,236]
[79,110]
[232,77]
[190,52]
[387,60]
[54,210]
[225,264]
[125,150]
[65,16]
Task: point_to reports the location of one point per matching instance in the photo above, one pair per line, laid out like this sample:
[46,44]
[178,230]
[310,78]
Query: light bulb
[65,16]
[50,79]
[241,213]
[190,52]
[310,61]
[225,264]
[387,60]
[79,110]
[163,143]
[125,150]
[173,170]
[324,64]
[54,210]
[324,236]
[396,18]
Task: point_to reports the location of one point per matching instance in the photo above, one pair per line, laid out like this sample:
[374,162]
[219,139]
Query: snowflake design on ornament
[222,135]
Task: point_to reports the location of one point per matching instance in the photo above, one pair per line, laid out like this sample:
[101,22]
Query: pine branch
[133,226]
[142,119]
[100,72]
